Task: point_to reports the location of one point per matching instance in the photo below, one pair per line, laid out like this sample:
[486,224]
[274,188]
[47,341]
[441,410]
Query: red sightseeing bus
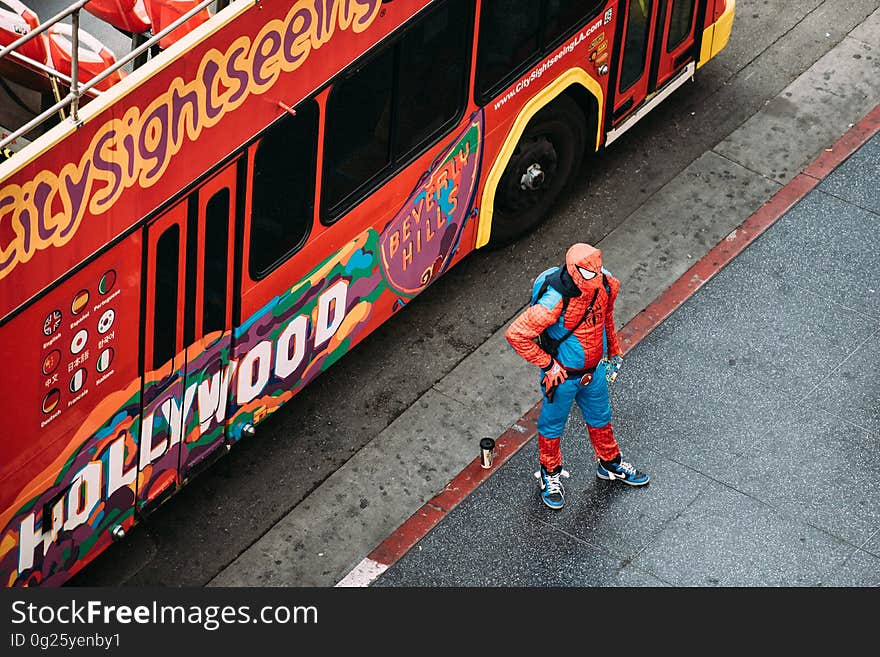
[230,207]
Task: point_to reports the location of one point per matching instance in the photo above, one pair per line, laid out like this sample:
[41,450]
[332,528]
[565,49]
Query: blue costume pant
[592,399]
[595,407]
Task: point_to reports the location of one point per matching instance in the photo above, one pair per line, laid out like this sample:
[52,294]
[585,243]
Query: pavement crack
[855,204]
[867,541]
[450,397]
[745,167]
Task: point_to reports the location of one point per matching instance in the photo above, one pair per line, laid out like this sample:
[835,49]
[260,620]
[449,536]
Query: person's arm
[529,325]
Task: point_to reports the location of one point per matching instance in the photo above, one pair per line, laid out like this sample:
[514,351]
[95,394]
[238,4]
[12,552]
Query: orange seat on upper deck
[127,15]
[94,57]
[164,12]
[16,20]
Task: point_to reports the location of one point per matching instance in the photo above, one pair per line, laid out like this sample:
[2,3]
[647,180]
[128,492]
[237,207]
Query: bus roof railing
[76,90]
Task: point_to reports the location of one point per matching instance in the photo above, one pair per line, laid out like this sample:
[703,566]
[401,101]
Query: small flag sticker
[52,322]
[78,380]
[79,341]
[105,359]
[50,401]
[106,321]
[50,362]
[79,302]
[108,280]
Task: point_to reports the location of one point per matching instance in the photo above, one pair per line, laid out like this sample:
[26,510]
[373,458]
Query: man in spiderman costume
[572,319]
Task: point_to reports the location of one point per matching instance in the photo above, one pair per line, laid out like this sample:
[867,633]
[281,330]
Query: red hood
[583,257]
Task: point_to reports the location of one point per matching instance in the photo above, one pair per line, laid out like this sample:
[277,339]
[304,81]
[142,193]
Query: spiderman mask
[584,265]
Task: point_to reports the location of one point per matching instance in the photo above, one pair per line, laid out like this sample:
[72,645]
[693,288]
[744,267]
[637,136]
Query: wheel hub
[533,178]
[530,174]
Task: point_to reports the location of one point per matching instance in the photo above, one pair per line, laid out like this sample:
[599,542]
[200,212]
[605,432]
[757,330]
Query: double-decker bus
[193,230]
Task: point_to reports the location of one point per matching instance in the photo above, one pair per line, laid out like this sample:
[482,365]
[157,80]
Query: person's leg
[595,405]
[551,424]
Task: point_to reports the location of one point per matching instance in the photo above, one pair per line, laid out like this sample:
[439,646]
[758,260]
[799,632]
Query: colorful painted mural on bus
[61,519]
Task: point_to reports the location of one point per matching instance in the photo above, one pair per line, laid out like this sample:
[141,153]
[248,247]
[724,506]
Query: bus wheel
[548,153]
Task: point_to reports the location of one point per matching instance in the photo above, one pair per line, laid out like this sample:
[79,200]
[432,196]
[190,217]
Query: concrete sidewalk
[333,529]
[754,407]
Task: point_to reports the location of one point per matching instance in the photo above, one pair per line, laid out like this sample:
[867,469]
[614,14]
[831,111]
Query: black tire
[554,140]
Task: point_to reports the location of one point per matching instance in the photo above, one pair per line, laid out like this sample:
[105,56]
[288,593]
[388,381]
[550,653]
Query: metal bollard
[487,453]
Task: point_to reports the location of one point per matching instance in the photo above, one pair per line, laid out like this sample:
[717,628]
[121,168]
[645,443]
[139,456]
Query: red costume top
[584,347]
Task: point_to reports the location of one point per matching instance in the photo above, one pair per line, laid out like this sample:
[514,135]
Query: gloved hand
[554,375]
[612,368]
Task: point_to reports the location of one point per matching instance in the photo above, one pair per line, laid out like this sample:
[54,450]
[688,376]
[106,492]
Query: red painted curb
[433,511]
[512,440]
[845,146]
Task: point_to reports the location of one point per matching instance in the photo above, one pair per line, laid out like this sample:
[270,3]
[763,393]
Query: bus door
[657,45]
[675,49]
[188,337]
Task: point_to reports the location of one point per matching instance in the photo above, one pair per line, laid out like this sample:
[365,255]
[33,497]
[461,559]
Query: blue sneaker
[622,471]
[552,492]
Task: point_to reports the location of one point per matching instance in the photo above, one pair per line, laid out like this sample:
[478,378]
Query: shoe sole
[624,481]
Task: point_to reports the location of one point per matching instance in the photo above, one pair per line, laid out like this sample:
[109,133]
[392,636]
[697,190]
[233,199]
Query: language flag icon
[106,320]
[50,362]
[50,401]
[53,321]
[105,359]
[79,341]
[78,380]
[107,282]
[79,301]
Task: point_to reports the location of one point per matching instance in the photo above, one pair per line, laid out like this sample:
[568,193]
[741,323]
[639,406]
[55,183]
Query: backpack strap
[544,286]
[583,317]
[551,345]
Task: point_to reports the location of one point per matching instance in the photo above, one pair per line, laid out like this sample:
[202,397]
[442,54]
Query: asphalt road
[205,526]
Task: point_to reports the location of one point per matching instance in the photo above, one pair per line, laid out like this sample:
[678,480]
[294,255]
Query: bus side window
[283,199]
[395,104]
[514,32]
[636,43]
[508,39]
[432,78]
[216,263]
[680,22]
[357,144]
[564,15]
[165,306]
